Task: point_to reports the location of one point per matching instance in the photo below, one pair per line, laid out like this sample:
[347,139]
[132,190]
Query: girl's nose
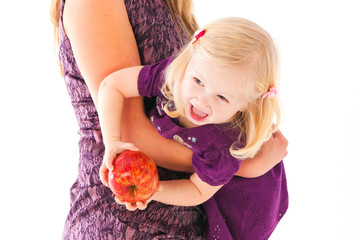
[203,102]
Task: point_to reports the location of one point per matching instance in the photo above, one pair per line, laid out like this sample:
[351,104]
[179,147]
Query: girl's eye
[222,98]
[198,81]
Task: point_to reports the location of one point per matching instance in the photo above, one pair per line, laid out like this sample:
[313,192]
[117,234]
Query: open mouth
[197,114]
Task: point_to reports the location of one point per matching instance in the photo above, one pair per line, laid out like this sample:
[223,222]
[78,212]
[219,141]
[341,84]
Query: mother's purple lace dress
[93,212]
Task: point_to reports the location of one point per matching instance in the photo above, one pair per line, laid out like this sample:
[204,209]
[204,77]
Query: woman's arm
[103,41]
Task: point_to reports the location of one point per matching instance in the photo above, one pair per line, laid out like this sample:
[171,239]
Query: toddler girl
[218,97]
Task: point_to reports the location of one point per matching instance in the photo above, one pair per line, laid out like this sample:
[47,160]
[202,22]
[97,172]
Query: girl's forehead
[209,69]
[219,64]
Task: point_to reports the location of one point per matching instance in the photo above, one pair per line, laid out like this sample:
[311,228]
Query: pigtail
[258,126]
[262,115]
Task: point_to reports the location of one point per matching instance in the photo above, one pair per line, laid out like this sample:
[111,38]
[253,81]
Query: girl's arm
[113,91]
[184,192]
[102,41]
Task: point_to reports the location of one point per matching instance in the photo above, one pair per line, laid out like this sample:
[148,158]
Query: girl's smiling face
[211,92]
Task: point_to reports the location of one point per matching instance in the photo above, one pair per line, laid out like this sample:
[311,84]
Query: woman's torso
[156,38]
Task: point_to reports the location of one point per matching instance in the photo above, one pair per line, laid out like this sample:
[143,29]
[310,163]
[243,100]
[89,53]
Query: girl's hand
[112,149]
[270,154]
[280,146]
[274,150]
[139,205]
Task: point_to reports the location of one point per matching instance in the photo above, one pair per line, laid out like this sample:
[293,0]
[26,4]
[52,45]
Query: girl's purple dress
[93,212]
[242,208]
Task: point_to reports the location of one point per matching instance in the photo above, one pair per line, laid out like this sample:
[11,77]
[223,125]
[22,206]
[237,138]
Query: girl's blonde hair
[233,42]
[182,10]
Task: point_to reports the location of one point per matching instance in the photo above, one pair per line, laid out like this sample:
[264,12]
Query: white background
[318,41]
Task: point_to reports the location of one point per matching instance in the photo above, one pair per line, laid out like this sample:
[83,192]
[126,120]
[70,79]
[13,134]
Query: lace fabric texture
[93,212]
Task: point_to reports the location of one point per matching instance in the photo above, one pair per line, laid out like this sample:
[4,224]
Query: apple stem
[132,190]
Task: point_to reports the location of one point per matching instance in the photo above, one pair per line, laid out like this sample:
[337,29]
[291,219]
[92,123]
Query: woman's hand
[270,154]
[112,149]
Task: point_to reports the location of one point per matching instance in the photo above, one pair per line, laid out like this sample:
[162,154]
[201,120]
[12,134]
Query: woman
[96,38]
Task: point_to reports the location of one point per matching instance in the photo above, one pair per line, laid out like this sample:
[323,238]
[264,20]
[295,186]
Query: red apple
[134,178]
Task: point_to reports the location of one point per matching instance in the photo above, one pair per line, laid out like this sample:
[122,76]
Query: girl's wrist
[109,141]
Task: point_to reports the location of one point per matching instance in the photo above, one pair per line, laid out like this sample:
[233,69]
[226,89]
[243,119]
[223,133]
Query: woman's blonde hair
[184,9]
[234,42]
[55,18]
